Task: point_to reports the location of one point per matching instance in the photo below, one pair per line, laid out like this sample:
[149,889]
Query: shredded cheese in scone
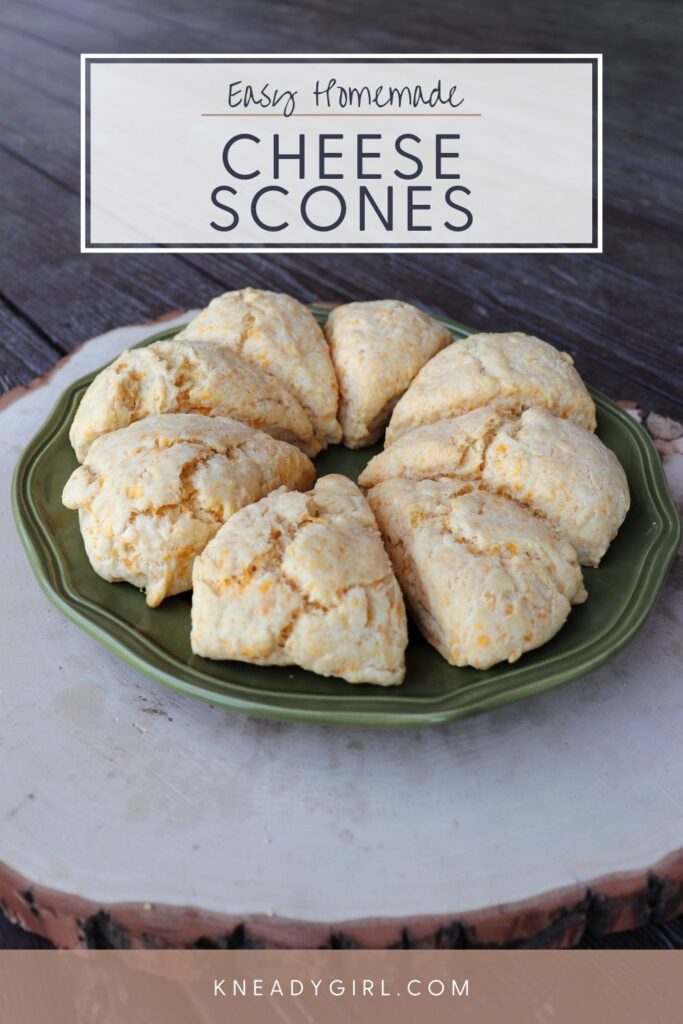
[487,489]
[377,348]
[302,579]
[276,333]
[510,372]
[486,580]
[553,466]
[151,496]
[184,376]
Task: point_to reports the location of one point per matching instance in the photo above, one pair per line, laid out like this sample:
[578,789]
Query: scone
[551,465]
[276,333]
[511,372]
[302,579]
[377,348]
[187,376]
[486,580]
[151,496]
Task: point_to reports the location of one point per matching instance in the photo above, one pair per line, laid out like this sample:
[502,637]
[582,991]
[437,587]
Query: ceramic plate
[156,641]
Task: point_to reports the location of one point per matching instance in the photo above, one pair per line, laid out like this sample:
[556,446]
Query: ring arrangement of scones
[491,491]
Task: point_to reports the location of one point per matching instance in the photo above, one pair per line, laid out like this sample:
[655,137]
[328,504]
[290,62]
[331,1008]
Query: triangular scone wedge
[377,348]
[302,579]
[510,372]
[486,580]
[151,496]
[450,447]
[279,335]
[187,376]
[552,466]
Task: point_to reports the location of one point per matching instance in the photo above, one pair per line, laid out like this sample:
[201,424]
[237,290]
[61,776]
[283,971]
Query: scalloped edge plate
[622,592]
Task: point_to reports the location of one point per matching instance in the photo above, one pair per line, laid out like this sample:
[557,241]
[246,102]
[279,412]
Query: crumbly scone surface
[302,579]
[151,496]
[377,349]
[486,580]
[551,465]
[280,335]
[490,492]
[191,377]
[510,372]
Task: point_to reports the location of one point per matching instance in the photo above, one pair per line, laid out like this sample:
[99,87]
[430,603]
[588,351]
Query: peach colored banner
[333,987]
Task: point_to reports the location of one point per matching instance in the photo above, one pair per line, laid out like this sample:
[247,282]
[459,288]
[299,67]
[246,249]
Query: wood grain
[576,916]
[628,301]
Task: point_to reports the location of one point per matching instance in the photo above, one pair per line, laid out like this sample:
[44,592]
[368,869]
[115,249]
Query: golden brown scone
[510,372]
[486,580]
[302,579]
[377,348]
[151,496]
[551,465]
[280,335]
[188,376]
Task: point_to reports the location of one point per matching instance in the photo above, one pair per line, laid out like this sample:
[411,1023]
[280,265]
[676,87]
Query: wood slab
[130,815]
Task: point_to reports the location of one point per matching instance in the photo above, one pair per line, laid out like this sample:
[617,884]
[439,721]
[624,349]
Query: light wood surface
[118,791]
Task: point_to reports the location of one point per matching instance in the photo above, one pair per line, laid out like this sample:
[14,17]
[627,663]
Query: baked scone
[187,376]
[486,580]
[302,579]
[280,335]
[551,465]
[377,348]
[151,496]
[511,372]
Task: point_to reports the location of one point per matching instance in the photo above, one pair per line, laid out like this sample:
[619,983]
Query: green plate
[156,641]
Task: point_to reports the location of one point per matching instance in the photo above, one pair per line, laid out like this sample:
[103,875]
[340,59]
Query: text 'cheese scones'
[280,335]
[152,495]
[551,465]
[185,376]
[486,580]
[377,348]
[302,579]
[510,372]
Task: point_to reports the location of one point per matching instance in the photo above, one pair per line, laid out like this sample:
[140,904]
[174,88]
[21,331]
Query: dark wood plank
[634,113]
[562,311]
[24,353]
[69,296]
[48,70]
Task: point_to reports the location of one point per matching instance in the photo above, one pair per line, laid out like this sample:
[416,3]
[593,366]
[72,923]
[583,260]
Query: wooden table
[619,313]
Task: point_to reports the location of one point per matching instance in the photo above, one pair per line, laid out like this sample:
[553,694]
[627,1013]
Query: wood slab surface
[132,815]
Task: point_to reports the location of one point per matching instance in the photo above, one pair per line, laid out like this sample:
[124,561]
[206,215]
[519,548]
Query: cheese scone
[188,376]
[551,465]
[377,348]
[486,580]
[276,333]
[151,496]
[302,579]
[511,372]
